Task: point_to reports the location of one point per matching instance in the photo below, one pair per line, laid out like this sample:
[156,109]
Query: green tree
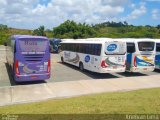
[40,31]
[71,29]
[4,33]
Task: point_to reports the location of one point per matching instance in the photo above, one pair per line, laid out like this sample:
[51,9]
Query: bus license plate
[34,77]
[114,67]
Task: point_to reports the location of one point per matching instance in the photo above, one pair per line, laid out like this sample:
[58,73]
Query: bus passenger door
[157,60]
[157,57]
[129,61]
[130,55]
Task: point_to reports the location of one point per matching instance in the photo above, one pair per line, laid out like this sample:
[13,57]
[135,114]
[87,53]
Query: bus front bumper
[144,69]
[112,70]
[33,77]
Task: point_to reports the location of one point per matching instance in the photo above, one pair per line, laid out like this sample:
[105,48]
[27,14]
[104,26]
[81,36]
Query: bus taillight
[49,66]
[135,62]
[17,67]
[103,64]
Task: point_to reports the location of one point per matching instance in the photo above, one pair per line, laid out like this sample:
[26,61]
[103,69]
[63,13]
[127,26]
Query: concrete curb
[34,93]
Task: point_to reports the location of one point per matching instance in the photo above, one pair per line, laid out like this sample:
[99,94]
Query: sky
[30,14]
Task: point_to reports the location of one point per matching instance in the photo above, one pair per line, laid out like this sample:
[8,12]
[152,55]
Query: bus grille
[33,57]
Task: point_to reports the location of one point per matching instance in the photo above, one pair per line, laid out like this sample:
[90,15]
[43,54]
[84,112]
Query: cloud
[155,14]
[133,5]
[137,12]
[32,14]
[153,0]
[114,2]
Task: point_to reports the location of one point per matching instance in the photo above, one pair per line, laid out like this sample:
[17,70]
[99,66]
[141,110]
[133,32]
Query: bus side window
[64,46]
[92,50]
[77,47]
[67,46]
[98,49]
[82,48]
[95,49]
[87,49]
[130,47]
[74,47]
[157,47]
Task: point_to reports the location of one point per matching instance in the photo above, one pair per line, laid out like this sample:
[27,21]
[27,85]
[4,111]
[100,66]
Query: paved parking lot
[61,72]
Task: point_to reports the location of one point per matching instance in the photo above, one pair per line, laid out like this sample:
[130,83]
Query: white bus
[140,55]
[157,59]
[101,55]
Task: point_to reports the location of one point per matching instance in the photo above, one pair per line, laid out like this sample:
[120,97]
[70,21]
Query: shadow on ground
[157,70]
[91,74]
[106,75]
[13,82]
[132,74]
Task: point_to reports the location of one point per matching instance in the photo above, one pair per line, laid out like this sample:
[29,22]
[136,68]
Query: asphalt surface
[61,72]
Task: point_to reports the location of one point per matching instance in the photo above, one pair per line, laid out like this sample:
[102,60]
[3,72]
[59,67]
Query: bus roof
[157,40]
[102,40]
[90,40]
[27,36]
[55,39]
[137,39]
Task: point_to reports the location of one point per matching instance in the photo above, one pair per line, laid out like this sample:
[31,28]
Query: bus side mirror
[5,44]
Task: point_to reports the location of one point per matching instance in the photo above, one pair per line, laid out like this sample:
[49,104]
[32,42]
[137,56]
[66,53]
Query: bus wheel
[81,67]
[62,60]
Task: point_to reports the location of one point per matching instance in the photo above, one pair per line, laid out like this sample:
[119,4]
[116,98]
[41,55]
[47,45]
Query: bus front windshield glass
[115,48]
[146,46]
[33,45]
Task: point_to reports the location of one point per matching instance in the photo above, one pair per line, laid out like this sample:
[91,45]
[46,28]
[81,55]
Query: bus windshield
[33,45]
[115,48]
[146,46]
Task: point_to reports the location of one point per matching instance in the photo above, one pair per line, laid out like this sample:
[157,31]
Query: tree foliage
[39,31]
[3,33]
[3,28]
[71,29]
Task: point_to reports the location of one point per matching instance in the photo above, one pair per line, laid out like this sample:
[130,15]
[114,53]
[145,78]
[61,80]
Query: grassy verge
[141,102]
[94,107]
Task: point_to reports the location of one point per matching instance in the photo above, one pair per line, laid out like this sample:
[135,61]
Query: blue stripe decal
[141,62]
[157,59]
[129,58]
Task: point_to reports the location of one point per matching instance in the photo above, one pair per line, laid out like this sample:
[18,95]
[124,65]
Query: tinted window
[158,47]
[76,48]
[130,47]
[98,52]
[32,45]
[93,49]
[146,46]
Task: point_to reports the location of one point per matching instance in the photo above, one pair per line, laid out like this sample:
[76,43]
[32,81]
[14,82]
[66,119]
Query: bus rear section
[157,58]
[55,45]
[141,59]
[113,57]
[32,59]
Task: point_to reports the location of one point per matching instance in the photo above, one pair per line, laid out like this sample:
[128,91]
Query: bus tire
[62,60]
[81,67]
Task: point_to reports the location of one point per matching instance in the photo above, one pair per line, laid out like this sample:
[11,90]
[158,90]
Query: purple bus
[29,57]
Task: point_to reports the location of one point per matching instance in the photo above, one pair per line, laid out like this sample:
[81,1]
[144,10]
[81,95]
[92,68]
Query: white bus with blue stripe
[101,55]
[157,59]
[140,55]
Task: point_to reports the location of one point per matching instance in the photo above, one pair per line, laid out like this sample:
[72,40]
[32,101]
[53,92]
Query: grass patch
[136,102]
